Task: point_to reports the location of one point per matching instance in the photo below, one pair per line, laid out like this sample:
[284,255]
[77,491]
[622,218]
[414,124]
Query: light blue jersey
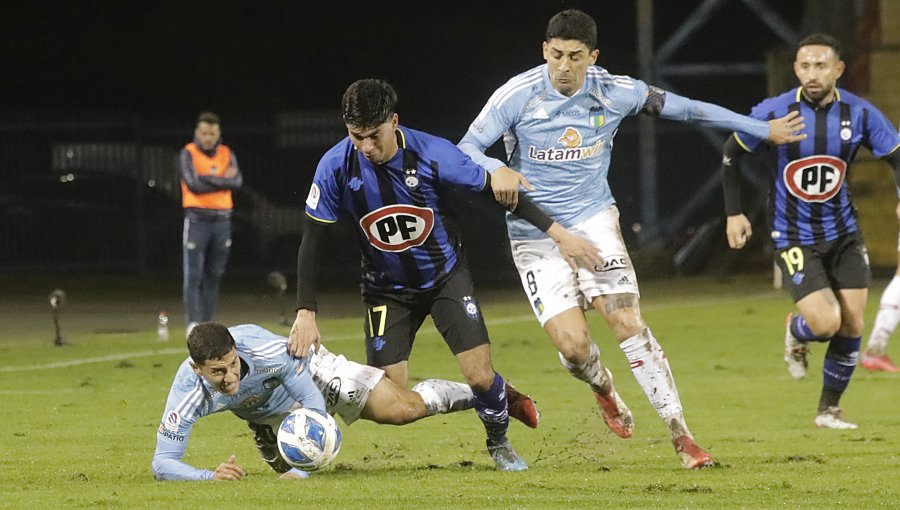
[562,144]
[272,381]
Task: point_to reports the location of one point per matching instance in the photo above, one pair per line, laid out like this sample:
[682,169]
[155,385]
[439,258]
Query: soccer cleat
[505,458]
[692,456]
[833,418]
[795,353]
[522,407]
[615,413]
[881,363]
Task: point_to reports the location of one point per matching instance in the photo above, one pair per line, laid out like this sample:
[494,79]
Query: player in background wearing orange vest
[209,175]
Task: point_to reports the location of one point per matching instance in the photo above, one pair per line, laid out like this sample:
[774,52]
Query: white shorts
[345,384]
[551,285]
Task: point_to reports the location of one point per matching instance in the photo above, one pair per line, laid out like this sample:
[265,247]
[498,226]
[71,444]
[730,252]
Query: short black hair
[368,103]
[821,40]
[209,340]
[573,25]
[208,117]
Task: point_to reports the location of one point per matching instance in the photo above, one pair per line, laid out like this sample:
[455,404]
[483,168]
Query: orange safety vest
[205,165]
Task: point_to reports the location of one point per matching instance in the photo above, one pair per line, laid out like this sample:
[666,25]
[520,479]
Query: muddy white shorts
[345,384]
[551,285]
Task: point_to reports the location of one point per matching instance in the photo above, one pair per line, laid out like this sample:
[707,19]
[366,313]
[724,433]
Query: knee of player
[626,325]
[825,325]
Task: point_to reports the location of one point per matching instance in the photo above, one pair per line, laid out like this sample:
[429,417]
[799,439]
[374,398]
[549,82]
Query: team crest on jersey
[815,178]
[571,149]
[396,228]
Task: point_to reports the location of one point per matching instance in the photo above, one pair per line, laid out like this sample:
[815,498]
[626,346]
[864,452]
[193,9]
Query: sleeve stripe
[738,140]
[892,151]
[320,219]
[514,85]
[190,401]
[268,351]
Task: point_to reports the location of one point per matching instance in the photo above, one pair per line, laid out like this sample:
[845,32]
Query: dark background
[137,74]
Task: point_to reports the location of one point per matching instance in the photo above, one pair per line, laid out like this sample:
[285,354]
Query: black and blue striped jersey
[404,228]
[810,201]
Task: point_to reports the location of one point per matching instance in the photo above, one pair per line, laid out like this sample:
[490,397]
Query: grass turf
[81,435]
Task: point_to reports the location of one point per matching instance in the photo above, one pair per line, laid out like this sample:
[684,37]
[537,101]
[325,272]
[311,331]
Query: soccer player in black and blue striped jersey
[392,182]
[818,245]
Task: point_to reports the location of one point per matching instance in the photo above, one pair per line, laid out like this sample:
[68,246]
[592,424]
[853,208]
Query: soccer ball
[309,439]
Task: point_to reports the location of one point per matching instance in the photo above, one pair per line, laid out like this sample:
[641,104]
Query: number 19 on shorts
[793,259]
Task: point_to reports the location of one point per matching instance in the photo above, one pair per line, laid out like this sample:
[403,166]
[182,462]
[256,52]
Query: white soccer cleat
[795,353]
[833,418]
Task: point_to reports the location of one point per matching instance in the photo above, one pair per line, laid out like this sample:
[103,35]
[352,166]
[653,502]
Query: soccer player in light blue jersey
[558,122]
[248,370]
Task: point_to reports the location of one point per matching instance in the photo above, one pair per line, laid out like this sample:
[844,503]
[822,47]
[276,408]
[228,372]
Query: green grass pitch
[82,435]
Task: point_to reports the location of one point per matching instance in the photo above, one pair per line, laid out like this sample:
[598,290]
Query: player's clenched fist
[738,231]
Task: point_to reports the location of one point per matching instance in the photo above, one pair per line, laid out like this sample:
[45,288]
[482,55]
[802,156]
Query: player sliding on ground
[248,370]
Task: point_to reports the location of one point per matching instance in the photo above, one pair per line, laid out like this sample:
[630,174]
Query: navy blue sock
[491,407]
[800,330]
[840,361]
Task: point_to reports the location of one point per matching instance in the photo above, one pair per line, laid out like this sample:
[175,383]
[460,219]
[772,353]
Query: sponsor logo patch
[815,178]
[271,383]
[313,199]
[396,228]
[173,420]
[332,392]
[571,149]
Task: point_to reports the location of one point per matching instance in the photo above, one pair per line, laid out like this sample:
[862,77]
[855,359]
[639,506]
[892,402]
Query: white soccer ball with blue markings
[309,439]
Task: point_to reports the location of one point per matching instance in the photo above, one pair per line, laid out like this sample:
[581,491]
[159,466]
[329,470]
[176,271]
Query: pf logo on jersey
[815,178]
[395,228]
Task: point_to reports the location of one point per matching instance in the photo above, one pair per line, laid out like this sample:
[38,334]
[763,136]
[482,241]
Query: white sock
[887,319]
[590,371]
[442,396]
[651,369]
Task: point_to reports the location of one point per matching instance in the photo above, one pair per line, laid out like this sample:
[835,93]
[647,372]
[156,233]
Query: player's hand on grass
[304,333]
[505,184]
[738,231]
[228,470]
[574,249]
[898,212]
[786,129]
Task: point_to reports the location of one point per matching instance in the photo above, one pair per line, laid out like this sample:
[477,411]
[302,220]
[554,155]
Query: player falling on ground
[248,370]
[875,357]
[817,241]
[392,182]
[558,121]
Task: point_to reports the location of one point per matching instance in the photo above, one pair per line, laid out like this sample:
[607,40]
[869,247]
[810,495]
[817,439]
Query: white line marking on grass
[336,338]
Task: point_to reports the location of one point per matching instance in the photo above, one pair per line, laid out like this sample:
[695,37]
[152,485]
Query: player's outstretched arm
[674,107]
